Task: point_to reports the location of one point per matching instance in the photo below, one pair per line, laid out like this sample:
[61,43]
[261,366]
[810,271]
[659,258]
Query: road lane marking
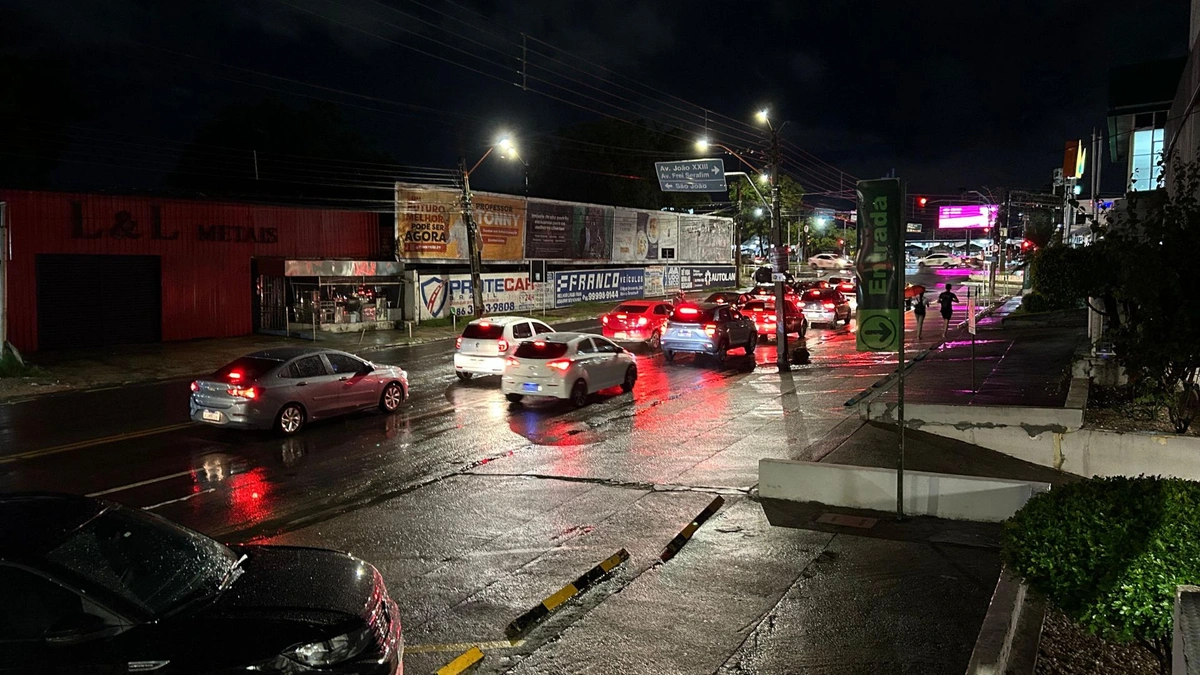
[140,483]
[94,441]
[460,646]
[462,662]
[178,499]
[523,623]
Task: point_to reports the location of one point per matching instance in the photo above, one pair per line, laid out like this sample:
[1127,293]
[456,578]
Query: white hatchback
[942,260]
[567,366]
[485,343]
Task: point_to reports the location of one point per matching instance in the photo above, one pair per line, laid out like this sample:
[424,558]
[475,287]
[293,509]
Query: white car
[567,366]
[486,343]
[830,261]
[942,260]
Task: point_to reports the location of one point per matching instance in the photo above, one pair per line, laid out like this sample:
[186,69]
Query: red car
[637,321]
[762,313]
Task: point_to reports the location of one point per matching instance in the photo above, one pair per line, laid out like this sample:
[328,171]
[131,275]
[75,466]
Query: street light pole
[781,257]
[473,243]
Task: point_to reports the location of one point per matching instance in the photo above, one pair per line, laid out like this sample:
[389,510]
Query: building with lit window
[1140,97]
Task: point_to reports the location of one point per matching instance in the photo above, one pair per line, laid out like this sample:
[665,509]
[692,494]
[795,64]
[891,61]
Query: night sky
[949,94]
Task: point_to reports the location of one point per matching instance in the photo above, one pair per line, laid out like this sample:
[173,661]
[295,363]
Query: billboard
[643,236]
[655,284]
[429,224]
[565,231]
[704,239]
[598,286]
[440,295]
[967,216]
[697,278]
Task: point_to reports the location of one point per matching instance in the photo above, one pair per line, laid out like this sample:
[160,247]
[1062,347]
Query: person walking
[947,300]
[919,313]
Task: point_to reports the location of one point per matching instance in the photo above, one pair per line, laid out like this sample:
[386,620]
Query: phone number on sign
[488,307]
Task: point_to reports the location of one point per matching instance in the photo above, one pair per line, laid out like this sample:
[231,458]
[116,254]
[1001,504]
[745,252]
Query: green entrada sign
[880,265]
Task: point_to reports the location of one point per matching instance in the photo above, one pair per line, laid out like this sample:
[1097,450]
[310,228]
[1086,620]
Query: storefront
[303,296]
[97,269]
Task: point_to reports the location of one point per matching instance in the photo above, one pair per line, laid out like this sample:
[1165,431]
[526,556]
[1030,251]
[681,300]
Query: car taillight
[688,311]
[770,318]
[195,386]
[604,319]
[235,376]
[243,392]
[710,329]
[828,305]
[512,361]
[559,364]
[458,342]
[641,321]
[502,344]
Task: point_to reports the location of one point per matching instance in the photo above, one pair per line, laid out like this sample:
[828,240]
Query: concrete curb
[523,623]
[1013,622]
[677,543]
[462,662]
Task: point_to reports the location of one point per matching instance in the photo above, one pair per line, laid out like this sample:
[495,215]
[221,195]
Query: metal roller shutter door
[96,300]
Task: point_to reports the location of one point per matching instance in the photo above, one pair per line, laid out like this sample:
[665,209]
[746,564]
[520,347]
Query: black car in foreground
[89,586]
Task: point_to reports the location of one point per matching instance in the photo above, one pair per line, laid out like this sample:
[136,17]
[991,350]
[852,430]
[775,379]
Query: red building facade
[89,269]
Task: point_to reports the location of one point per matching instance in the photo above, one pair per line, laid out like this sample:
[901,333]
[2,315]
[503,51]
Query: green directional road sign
[880,265]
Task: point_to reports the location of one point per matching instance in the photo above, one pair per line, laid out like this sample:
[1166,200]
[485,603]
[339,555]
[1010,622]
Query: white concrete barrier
[929,494]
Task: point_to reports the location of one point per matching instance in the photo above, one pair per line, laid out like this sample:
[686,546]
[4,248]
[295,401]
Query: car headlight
[331,651]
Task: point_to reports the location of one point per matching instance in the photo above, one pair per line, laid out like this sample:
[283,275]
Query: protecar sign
[442,295]
[598,286]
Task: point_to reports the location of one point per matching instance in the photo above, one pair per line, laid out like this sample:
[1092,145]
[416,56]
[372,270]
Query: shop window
[1145,157]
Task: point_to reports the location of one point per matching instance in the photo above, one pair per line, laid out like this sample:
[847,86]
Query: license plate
[685,333]
[620,334]
[211,415]
[530,386]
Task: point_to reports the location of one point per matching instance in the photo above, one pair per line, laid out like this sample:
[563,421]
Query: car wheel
[751,344]
[630,379]
[290,419]
[579,394]
[655,340]
[668,355]
[921,264]
[514,398]
[463,375]
[392,397]
[722,348]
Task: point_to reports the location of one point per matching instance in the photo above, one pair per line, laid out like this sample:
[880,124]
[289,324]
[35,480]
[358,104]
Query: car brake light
[688,310]
[512,361]
[540,344]
[484,324]
[770,318]
[641,321]
[458,342]
[559,364]
[502,344]
[621,316]
[710,329]
[243,392]
[604,319]
[195,386]
[828,305]
[235,375]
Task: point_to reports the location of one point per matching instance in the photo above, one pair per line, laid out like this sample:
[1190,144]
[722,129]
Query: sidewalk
[94,368]
[1028,366]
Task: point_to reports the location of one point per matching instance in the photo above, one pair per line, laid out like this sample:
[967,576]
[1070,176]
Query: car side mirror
[367,368]
[77,628]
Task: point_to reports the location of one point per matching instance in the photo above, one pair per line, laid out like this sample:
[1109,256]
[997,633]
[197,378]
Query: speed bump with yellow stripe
[462,662]
[526,621]
[682,538]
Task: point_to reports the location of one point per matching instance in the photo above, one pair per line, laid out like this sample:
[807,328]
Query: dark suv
[708,329]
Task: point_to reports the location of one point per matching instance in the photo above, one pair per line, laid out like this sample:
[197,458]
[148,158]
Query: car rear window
[540,349]
[632,309]
[692,314]
[246,368]
[483,331]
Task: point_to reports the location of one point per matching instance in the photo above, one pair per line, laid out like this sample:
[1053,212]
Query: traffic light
[922,201]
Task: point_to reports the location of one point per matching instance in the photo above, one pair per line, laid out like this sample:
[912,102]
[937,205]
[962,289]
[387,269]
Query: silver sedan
[285,388]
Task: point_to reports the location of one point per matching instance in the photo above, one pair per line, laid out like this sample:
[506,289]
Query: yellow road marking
[560,597]
[612,562]
[94,441]
[690,530]
[459,646]
[464,661]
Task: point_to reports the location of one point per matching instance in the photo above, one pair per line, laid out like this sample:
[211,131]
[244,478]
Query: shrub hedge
[1110,551]
[1034,302]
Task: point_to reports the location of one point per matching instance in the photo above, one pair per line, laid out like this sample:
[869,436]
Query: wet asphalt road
[475,511]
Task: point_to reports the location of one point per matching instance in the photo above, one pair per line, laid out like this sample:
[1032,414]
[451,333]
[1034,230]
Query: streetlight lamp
[474,242]
[780,258]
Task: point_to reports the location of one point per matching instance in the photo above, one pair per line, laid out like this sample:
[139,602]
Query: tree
[610,162]
[757,223]
[274,148]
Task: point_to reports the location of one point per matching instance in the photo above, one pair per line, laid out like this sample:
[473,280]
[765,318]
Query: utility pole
[473,243]
[781,257]
[4,262]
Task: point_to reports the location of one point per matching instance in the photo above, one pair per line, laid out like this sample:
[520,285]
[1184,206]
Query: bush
[1109,552]
[1034,302]
[1061,276]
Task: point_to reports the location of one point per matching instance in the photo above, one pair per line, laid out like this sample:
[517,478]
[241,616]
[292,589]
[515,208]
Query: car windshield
[692,314]
[631,309]
[246,368]
[144,559]
[484,331]
[540,349]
